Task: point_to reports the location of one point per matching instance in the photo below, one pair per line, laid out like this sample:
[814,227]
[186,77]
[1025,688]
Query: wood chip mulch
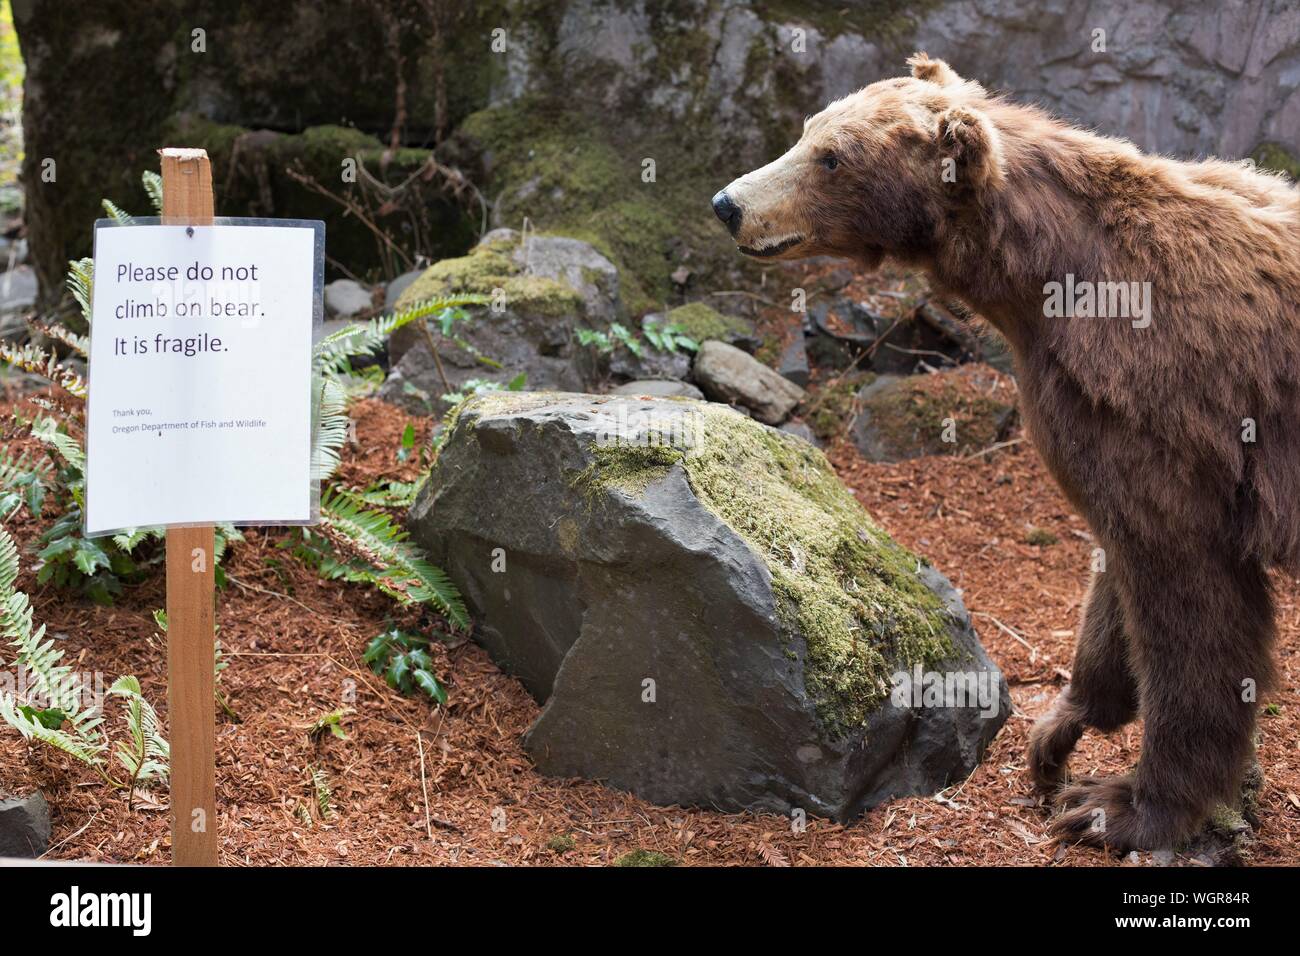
[414,784]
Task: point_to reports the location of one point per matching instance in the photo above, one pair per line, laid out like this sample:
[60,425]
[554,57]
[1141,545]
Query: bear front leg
[1102,692]
[1201,628]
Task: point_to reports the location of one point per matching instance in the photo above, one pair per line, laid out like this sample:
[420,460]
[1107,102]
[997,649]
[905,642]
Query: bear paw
[1102,812]
[1050,744]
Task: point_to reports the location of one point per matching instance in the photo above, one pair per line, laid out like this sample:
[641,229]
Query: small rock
[727,374]
[345,298]
[800,430]
[659,388]
[24,826]
[794,360]
[17,289]
[393,291]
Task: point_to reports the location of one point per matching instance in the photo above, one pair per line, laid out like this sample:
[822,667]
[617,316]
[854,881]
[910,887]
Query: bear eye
[830,160]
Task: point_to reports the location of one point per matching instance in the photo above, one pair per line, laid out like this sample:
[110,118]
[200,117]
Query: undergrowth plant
[50,706]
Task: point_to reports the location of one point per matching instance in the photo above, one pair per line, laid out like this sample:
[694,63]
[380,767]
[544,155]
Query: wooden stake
[191,597]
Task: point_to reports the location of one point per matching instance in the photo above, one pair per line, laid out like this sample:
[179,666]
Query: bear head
[872,173]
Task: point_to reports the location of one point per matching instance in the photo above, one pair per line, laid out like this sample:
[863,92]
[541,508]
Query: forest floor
[415,784]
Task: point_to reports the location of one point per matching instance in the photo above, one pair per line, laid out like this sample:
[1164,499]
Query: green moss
[567,175]
[830,412]
[629,468]
[877,20]
[916,413]
[1041,538]
[702,322]
[1275,157]
[839,580]
[561,843]
[490,267]
[645,858]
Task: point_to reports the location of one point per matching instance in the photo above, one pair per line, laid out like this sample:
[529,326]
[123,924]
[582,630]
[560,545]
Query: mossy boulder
[709,616]
[541,289]
[953,412]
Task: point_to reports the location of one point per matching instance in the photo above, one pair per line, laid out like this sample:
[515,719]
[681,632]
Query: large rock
[726,374]
[707,613]
[542,290]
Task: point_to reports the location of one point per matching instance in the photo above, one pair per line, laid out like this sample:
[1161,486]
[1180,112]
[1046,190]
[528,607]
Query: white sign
[200,375]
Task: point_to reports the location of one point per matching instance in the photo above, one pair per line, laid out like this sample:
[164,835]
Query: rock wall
[708,87]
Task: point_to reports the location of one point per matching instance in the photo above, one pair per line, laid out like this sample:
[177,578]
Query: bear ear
[970,148]
[933,71]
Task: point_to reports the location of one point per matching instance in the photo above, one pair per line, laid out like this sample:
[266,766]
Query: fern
[81,281]
[399,569]
[153,186]
[33,358]
[115,213]
[333,352]
[62,723]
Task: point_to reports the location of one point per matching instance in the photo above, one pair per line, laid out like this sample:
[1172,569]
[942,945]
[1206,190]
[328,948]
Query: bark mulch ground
[413,784]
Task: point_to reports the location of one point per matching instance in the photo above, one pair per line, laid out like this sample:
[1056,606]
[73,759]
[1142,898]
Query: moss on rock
[567,176]
[1276,157]
[487,268]
[702,322]
[956,411]
[839,580]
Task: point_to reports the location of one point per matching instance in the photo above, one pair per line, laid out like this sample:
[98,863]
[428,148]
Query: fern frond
[47,432]
[81,283]
[148,753]
[8,565]
[331,429]
[33,358]
[362,339]
[153,186]
[87,747]
[401,570]
[78,343]
[116,213]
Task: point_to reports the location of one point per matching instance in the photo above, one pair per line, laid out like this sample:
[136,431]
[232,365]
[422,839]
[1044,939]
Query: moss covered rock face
[953,412]
[708,614]
[541,288]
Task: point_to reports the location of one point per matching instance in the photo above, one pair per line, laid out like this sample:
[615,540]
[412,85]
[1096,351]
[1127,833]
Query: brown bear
[1153,310]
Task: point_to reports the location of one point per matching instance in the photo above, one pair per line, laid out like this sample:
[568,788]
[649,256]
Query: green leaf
[398,669]
[51,718]
[429,684]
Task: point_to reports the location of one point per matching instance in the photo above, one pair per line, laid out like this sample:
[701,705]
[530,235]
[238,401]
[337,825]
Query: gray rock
[800,430]
[345,298]
[17,289]
[659,388]
[542,291]
[623,366]
[726,374]
[24,826]
[578,265]
[393,291]
[665,627]
[794,360]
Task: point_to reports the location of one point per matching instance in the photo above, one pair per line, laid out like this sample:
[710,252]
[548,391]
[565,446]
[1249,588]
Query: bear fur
[1173,428]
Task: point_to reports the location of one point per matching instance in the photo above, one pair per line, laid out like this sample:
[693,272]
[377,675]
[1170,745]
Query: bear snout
[727,211]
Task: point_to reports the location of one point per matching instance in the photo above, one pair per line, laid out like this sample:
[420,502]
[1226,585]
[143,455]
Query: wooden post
[191,598]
